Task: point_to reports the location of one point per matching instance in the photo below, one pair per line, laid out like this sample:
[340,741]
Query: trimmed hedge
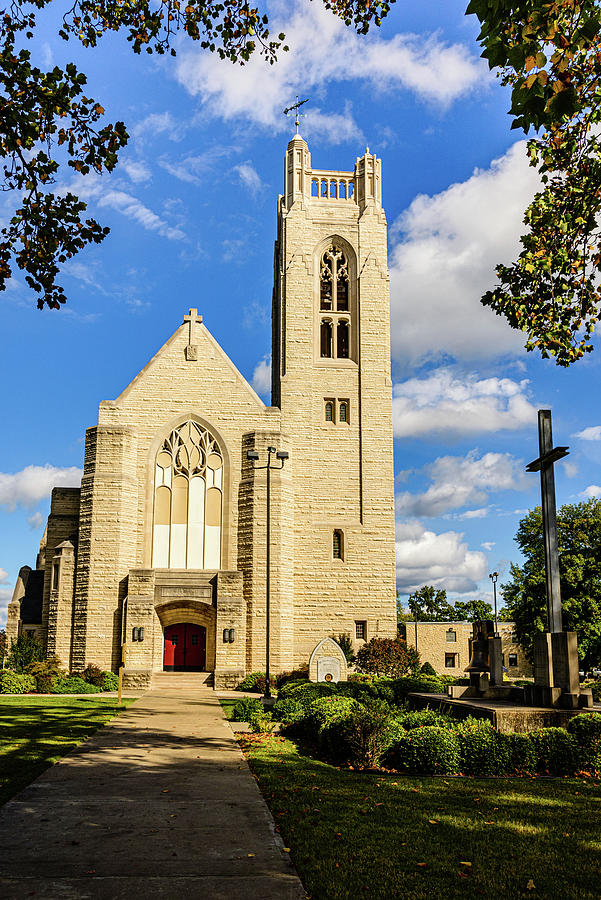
[484,751]
[288,711]
[245,708]
[556,751]
[255,681]
[417,718]
[110,681]
[423,684]
[13,683]
[74,684]
[429,751]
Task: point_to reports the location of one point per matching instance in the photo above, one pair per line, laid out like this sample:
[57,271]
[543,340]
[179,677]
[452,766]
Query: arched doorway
[185,647]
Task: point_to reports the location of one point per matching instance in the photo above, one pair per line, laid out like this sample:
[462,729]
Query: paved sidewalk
[158,804]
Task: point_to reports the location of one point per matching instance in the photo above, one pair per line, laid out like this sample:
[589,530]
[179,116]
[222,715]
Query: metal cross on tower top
[296,106]
[544,464]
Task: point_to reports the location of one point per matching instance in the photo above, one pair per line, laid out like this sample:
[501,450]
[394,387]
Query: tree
[46,115]
[579,543]
[473,611]
[550,54]
[388,657]
[429,604]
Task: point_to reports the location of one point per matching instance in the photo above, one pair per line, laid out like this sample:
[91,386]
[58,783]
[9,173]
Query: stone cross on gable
[544,464]
[192,349]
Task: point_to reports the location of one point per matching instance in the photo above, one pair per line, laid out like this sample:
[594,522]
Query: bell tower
[331,381]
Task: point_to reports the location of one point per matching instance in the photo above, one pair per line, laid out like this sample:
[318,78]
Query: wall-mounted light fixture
[137,634]
[229,635]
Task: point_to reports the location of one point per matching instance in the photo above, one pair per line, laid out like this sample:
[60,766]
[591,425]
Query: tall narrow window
[334,298]
[343,411]
[329,410]
[188,500]
[337,544]
[326,339]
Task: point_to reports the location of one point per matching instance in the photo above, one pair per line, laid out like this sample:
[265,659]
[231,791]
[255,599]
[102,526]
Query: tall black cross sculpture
[544,464]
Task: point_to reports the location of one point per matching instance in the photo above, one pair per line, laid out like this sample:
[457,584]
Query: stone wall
[433,647]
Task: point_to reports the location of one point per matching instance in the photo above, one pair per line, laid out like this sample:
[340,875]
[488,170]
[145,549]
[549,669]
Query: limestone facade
[169,526]
[445,645]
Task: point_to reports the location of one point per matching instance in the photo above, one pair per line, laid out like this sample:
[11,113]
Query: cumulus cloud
[445,402]
[445,260]
[593,490]
[324,51]
[35,521]
[461,481]
[593,433]
[442,560]
[249,177]
[34,483]
[3,575]
[261,380]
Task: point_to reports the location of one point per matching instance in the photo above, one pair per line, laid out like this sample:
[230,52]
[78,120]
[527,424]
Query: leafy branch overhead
[47,117]
[550,55]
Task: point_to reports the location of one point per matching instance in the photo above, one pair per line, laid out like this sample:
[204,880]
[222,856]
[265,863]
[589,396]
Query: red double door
[185,647]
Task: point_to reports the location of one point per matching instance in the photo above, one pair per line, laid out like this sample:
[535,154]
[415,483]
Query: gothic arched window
[334,298]
[188,500]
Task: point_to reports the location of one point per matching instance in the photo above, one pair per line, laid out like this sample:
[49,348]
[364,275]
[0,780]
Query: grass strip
[384,836]
[36,731]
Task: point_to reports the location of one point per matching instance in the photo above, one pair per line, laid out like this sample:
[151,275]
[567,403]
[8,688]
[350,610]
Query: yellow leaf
[531,886]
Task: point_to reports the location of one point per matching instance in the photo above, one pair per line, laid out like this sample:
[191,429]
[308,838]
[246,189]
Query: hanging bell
[479,659]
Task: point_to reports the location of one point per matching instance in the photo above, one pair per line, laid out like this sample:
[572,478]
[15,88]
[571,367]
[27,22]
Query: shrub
[288,712]
[596,689]
[346,645]
[110,681]
[422,684]
[245,708]
[522,756]
[324,721]
[556,751]
[427,669]
[368,731]
[387,656]
[418,718]
[297,675]
[93,675]
[261,722]
[26,649]
[256,682]
[15,683]
[484,751]
[287,688]
[45,673]
[73,684]
[586,730]
[429,751]
[308,691]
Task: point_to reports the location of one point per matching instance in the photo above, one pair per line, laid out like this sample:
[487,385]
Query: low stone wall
[228,681]
[137,679]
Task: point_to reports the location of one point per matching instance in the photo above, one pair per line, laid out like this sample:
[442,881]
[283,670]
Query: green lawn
[383,836]
[228,706]
[36,731]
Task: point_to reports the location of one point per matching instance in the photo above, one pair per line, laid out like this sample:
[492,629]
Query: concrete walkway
[158,804]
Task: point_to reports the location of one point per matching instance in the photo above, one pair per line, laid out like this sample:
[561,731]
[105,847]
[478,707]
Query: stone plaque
[192,352]
[328,669]
[328,662]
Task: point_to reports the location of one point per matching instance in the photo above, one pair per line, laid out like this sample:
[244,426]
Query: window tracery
[188,500]
[334,298]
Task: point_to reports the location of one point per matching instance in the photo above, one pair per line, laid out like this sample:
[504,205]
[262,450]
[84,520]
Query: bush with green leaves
[484,751]
[45,673]
[586,730]
[378,689]
[255,681]
[93,675]
[16,683]
[74,684]
[522,755]
[288,711]
[286,689]
[419,718]
[387,656]
[261,722]
[308,691]
[110,681]
[300,674]
[430,750]
[324,720]
[346,645]
[26,649]
[427,669]
[595,686]
[420,684]
[556,751]
[368,731]
[245,708]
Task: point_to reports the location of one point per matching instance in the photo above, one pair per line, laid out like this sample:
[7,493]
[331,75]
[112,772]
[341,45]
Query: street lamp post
[493,577]
[253,456]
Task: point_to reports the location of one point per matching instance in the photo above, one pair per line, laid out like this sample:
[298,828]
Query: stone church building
[164,545]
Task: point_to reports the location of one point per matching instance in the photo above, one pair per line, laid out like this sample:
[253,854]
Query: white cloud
[488,545]
[479,513]
[462,480]
[35,521]
[194,167]
[570,469]
[324,51]
[34,483]
[593,490]
[442,560]
[136,170]
[3,575]
[261,380]
[6,594]
[90,188]
[459,405]
[451,243]
[156,123]
[249,177]
[593,433]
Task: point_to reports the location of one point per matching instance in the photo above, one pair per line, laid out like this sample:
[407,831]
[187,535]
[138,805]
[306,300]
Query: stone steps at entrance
[181,681]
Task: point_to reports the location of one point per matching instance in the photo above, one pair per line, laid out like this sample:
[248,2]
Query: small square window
[174,639]
[513,660]
[450,660]
[361,631]
[451,636]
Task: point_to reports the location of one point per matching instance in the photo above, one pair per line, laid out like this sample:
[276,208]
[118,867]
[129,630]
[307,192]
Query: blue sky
[192,212]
